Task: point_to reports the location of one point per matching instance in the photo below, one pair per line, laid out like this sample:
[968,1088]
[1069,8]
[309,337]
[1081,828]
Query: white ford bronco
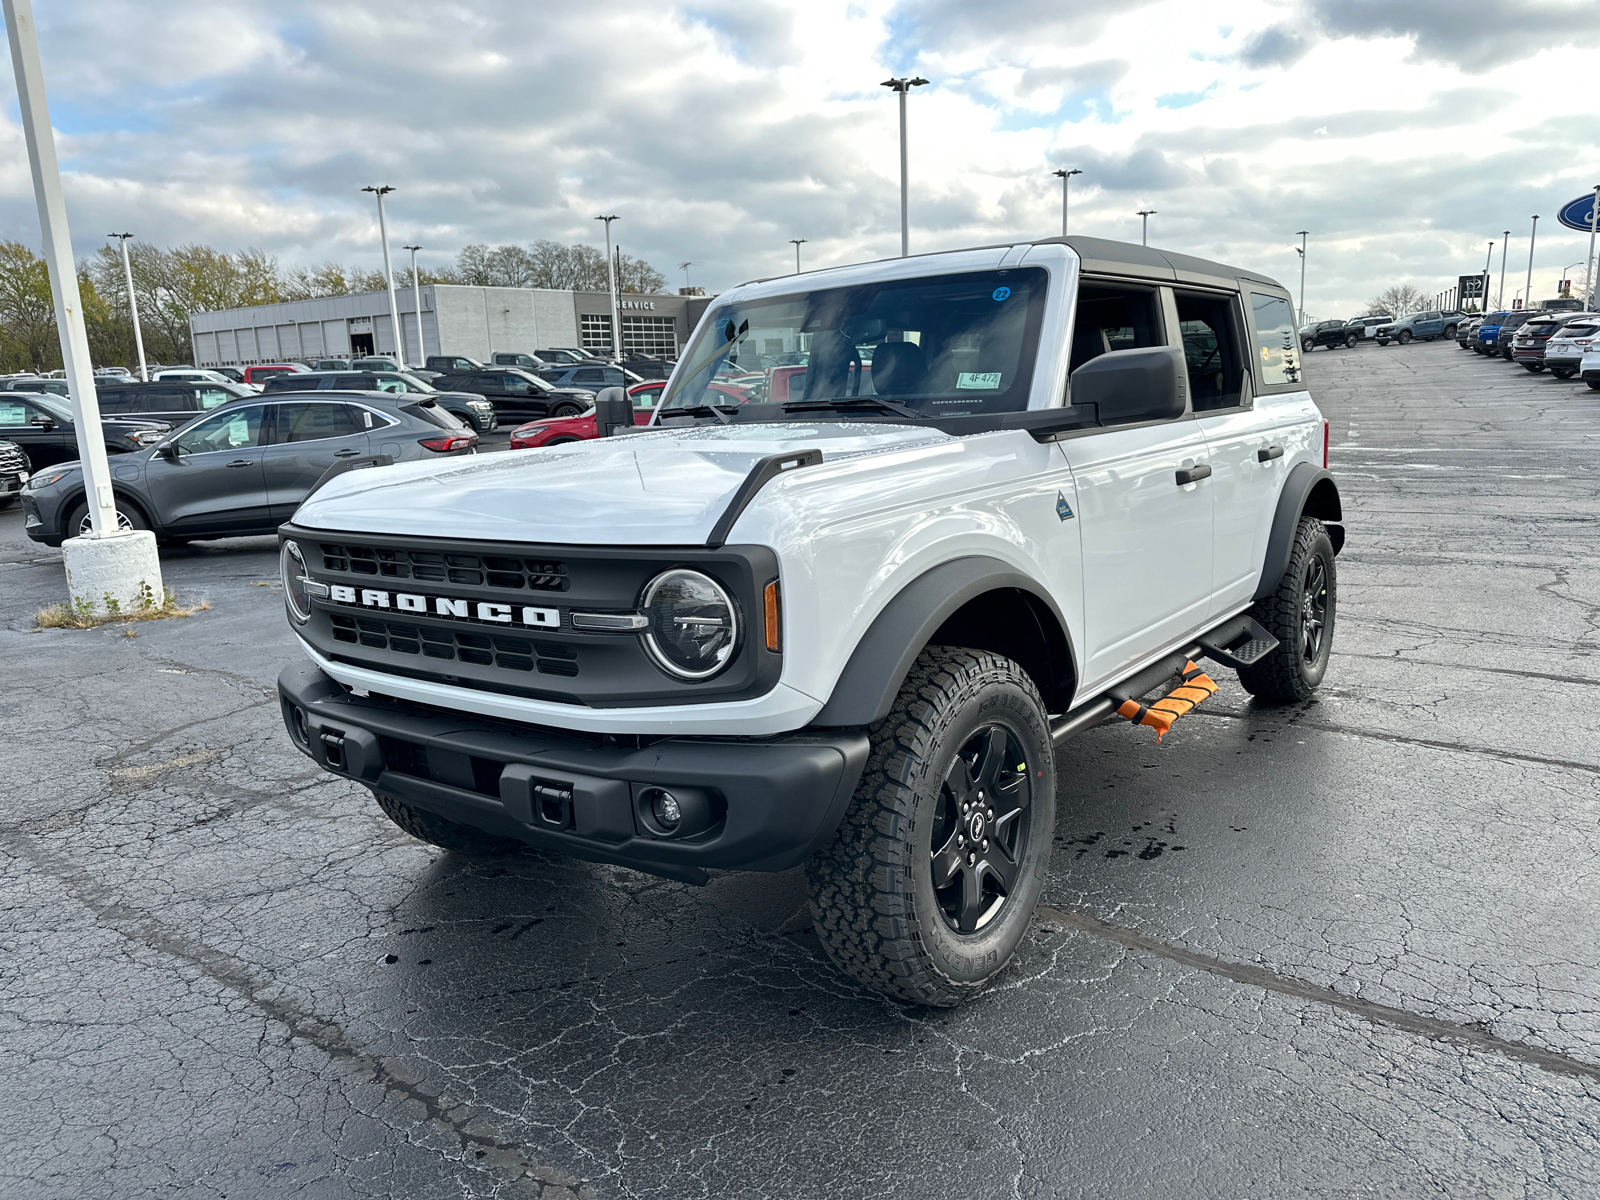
[896,531]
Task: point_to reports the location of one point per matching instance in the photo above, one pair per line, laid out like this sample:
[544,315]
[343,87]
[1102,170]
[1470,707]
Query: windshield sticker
[1001,293]
[982,380]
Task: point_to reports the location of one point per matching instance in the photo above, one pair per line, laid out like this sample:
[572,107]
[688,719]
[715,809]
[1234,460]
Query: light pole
[1066,178]
[416,295]
[1500,296]
[684,267]
[388,273]
[1144,230]
[1588,264]
[902,86]
[798,242]
[133,305]
[1527,288]
[611,273]
[1483,304]
[1568,267]
[1303,235]
[108,563]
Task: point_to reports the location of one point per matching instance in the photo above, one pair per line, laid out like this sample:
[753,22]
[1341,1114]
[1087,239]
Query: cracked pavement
[1340,949]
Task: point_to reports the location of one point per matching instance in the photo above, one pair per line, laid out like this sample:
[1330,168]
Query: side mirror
[612,411]
[43,422]
[1145,384]
[168,451]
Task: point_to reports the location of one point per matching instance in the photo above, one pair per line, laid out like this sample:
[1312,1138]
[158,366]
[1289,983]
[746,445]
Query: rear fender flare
[1310,491]
[878,666]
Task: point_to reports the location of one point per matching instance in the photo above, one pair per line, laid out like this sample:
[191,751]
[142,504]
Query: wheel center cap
[975,826]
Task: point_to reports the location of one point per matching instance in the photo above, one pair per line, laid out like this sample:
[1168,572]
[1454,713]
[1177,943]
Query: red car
[555,431]
[265,371]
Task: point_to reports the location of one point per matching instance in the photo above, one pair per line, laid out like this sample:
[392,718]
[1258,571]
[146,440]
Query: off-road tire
[451,835]
[1287,676]
[1350,341]
[1449,333]
[1403,337]
[872,895]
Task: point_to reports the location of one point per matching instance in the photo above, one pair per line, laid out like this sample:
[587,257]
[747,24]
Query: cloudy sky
[1404,135]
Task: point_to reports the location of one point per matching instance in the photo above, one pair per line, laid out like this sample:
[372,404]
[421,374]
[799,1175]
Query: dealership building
[474,321]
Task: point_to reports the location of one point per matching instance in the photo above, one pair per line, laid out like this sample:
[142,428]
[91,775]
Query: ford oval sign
[1578,214]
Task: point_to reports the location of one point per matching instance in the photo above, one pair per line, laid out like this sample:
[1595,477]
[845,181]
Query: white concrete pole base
[123,567]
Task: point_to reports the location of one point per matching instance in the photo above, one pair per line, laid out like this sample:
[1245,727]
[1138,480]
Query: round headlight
[292,569]
[694,625]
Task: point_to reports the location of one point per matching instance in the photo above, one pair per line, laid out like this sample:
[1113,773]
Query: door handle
[1270,453]
[353,453]
[242,462]
[1194,474]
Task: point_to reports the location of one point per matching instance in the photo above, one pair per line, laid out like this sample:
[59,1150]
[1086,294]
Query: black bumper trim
[779,798]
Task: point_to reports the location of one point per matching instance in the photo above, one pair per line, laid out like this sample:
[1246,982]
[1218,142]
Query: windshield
[944,345]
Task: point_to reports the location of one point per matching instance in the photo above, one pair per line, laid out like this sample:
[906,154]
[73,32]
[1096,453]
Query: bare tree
[1398,300]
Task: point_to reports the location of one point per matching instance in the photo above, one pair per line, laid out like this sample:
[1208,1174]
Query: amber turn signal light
[774,613]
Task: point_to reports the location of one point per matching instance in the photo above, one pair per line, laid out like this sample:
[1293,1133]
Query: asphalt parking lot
[1341,949]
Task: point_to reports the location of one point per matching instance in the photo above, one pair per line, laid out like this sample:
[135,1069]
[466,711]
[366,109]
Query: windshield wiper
[845,403]
[719,411]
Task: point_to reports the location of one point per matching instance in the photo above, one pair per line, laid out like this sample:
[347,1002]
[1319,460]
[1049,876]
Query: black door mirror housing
[168,451]
[1125,386]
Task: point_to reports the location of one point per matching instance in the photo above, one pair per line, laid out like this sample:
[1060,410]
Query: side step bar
[1237,642]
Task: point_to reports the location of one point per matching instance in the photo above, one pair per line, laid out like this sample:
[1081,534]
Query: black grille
[484,649]
[433,566]
[12,460]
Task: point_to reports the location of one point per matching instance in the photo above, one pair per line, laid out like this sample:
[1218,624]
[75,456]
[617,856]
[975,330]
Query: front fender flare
[1309,491]
[882,659]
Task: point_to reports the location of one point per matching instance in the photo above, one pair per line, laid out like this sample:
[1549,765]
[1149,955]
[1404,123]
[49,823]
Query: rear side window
[1277,351]
[286,383]
[1211,351]
[589,375]
[13,412]
[1112,319]
[311,421]
[116,400]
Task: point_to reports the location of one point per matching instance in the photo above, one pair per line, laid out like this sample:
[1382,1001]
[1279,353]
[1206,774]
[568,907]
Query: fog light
[667,811]
[678,812]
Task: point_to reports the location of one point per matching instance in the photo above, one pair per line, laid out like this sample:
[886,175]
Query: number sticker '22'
[1002,293]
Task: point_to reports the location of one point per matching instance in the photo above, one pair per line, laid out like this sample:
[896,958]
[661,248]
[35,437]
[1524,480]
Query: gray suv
[245,468]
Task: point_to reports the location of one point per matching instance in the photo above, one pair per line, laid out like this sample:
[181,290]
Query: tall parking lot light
[798,242]
[133,304]
[1500,296]
[1527,288]
[1588,266]
[1144,230]
[416,295]
[1066,178]
[611,272]
[388,272]
[105,561]
[901,87]
[1302,318]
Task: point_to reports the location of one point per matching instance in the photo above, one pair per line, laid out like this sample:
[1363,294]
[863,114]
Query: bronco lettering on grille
[446,606]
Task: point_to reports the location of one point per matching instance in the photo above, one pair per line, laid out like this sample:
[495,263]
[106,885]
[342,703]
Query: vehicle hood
[655,488]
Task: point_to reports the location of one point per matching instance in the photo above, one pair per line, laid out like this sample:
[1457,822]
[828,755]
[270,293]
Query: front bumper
[774,800]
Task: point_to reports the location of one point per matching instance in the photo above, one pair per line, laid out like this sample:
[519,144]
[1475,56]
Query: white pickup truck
[1007,494]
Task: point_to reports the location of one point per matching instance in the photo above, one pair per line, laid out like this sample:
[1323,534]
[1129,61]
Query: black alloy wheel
[1350,340]
[1308,344]
[1449,333]
[1300,612]
[1314,611]
[1404,337]
[566,408]
[979,841]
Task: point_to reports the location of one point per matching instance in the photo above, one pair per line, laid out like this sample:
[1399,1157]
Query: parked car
[518,395]
[648,368]
[452,364]
[1371,322]
[330,364]
[590,375]
[1488,331]
[377,362]
[1332,334]
[233,374]
[1530,342]
[37,384]
[172,402]
[507,358]
[1505,337]
[557,431]
[40,425]
[260,374]
[1467,330]
[189,375]
[13,473]
[1563,353]
[112,373]
[567,356]
[476,412]
[1420,326]
[854,631]
[1589,367]
[244,469]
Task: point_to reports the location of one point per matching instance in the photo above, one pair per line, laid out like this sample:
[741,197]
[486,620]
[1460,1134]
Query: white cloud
[721,129]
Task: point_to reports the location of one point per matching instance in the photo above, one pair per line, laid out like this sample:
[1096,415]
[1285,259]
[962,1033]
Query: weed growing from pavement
[83,613]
